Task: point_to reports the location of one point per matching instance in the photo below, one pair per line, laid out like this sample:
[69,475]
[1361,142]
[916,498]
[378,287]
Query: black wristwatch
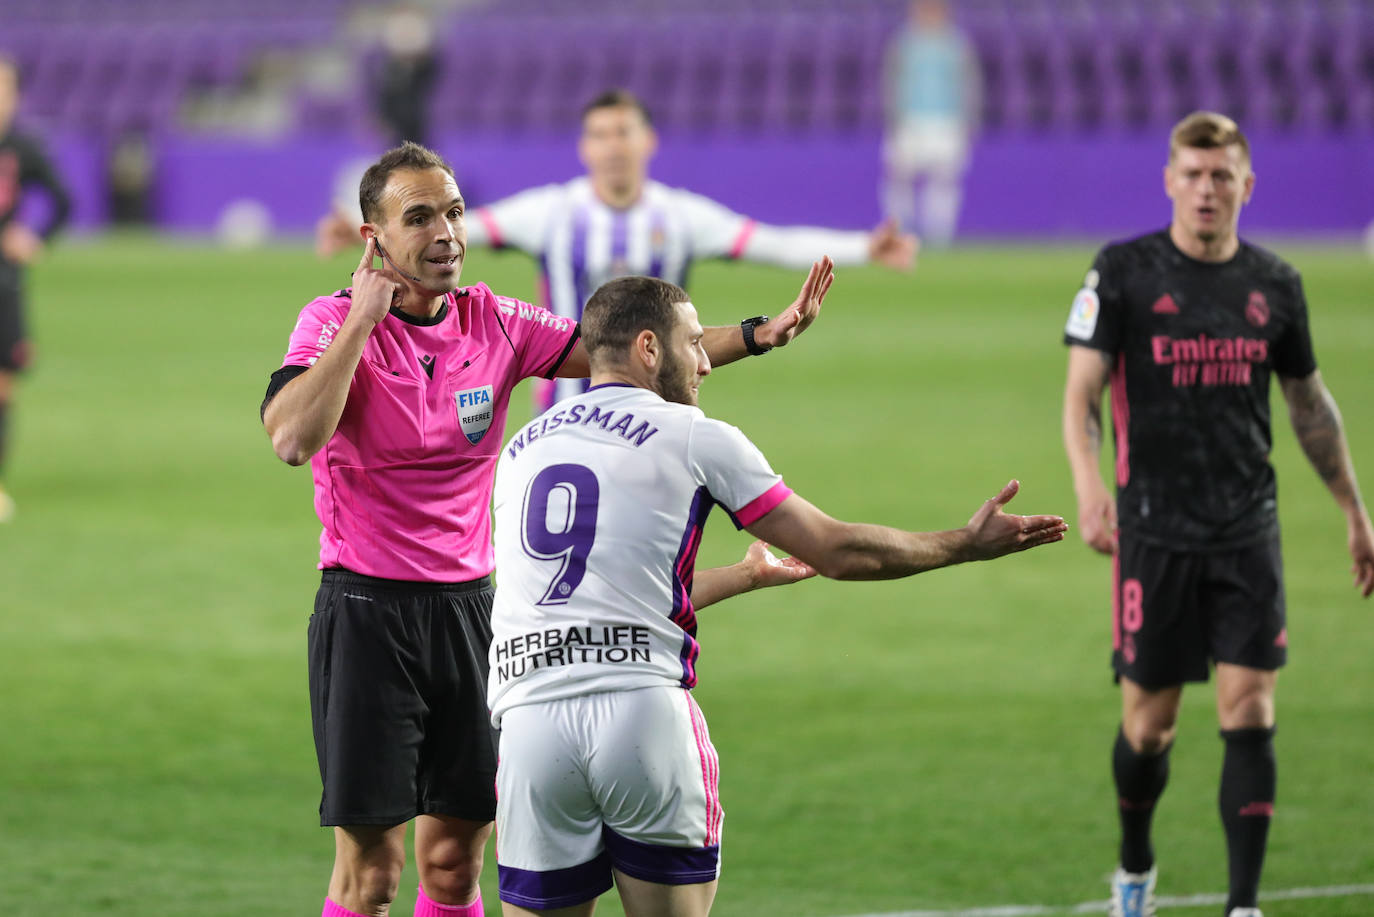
[747,326]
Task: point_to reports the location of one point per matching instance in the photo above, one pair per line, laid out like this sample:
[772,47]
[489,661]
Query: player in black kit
[1186,325]
[22,165]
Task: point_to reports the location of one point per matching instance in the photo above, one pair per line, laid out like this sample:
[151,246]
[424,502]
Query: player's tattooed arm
[1317,423]
[1092,421]
[1088,372]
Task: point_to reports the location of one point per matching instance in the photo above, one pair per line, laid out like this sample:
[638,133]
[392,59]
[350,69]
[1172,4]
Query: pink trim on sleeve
[742,239]
[493,231]
[762,505]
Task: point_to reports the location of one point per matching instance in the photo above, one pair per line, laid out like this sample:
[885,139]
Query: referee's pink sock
[426,906]
[333,909]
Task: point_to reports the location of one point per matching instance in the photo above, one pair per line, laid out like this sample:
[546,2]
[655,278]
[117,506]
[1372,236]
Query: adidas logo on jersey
[1165,305]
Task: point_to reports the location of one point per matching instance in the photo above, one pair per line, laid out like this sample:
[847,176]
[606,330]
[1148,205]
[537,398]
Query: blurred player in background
[607,771]
[615,220]
[932,102]
[1186,326]
[23,165]
[396,391]
[406,76]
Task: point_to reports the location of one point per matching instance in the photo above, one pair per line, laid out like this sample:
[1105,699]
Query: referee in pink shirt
[396,392]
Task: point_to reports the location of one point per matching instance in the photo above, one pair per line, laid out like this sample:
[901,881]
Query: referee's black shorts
[398,674]
[1176,613]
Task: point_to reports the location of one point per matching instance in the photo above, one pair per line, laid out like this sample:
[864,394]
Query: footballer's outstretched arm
[725,343]
[860,551]
[885,244]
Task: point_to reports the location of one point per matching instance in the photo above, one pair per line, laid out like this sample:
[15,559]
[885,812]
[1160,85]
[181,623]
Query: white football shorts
[623,780]
[920,145]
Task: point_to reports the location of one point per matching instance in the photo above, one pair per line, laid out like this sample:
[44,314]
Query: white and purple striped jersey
[599,509]
[582,242]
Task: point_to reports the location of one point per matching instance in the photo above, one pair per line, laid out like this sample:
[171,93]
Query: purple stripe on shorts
[543,890]
[664,865]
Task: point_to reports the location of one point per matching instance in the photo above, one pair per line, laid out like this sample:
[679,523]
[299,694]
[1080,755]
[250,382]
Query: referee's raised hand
[374,291]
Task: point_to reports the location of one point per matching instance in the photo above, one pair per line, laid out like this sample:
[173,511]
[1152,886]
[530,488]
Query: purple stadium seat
[775,65]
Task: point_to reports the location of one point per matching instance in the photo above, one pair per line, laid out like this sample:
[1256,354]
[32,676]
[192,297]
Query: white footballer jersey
[582,242]
[599,509]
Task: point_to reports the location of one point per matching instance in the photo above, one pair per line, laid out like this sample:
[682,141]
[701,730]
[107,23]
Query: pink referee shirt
[403,488]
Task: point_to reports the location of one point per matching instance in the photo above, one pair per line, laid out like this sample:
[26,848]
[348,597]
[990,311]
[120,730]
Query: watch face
[748,326]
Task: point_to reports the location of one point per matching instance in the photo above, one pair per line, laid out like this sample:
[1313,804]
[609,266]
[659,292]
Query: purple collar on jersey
[593,388]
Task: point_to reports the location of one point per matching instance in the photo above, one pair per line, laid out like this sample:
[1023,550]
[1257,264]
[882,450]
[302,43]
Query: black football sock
[1140,781]
[1249,779]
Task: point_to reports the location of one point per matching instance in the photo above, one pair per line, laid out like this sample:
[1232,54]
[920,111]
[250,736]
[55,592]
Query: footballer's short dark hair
[407,156]
[617,98]
[621,308]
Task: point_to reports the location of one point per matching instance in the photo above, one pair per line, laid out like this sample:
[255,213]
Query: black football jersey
[23,165]
[1193,346]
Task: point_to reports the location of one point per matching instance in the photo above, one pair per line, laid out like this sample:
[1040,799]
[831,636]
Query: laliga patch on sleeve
[1083,315]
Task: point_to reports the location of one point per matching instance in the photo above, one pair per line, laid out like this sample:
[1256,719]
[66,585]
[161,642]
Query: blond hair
[1207,130]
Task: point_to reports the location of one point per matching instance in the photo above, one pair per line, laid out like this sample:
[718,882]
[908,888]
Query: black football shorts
[1174,613]
[14,341]
[398,678]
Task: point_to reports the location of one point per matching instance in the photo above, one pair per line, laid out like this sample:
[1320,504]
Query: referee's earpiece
[370,235]
[386,259]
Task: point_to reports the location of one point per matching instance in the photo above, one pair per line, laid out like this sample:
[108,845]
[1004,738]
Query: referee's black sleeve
[277,383]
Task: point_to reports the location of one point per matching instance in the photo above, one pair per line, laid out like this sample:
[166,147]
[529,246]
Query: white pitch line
[1100,907]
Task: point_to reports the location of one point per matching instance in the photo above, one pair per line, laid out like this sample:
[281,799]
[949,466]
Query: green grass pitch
[939,742]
